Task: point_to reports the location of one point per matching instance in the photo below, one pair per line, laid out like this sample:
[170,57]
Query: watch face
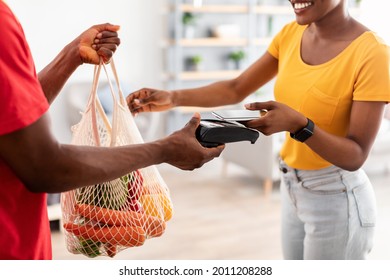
[304,133]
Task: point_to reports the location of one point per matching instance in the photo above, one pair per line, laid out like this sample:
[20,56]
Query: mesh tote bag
[106,218]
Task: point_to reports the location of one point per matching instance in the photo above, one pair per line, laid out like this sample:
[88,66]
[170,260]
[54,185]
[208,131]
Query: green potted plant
[237,57]
[189,18]
[194,62]
[189,22]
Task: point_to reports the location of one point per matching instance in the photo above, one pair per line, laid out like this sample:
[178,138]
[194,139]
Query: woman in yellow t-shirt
[331,89]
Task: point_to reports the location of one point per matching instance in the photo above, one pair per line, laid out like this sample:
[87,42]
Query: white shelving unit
[250,14]
[262,20]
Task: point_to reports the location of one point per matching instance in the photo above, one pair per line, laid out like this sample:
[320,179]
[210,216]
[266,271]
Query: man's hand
[184,151]
[99,41]
[93,45]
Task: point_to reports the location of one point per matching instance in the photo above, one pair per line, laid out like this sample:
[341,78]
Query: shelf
[213,42]
[262,41]
[274,10]
[214,8]
[221,42]
[208,75]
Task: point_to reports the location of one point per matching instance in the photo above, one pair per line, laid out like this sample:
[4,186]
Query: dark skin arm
[216,94]
[44,165]
[348,152]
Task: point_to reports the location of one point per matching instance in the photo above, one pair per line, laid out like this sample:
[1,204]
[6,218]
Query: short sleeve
[22,100]
[373,77]
[273,48]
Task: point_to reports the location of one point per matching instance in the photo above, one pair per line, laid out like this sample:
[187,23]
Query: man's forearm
[76,166]
[54,75]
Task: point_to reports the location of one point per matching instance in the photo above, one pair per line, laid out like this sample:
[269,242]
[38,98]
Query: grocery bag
[106,218]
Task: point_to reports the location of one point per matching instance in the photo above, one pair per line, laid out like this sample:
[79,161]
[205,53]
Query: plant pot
[196,67]
[235,64]
[189,32]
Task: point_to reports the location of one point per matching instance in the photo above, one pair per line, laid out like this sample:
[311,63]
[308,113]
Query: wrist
[68,60]
[299,124]
[175,98]
[161,150]
[74,53]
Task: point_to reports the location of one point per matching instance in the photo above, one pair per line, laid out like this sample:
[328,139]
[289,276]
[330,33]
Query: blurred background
[229,209]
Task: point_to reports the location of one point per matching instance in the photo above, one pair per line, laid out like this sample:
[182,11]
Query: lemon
[157,205]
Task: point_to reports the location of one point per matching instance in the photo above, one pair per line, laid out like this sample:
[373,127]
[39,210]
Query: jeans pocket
[323,183]
[366,206]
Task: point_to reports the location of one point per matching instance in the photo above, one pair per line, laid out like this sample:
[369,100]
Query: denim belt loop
[291,173]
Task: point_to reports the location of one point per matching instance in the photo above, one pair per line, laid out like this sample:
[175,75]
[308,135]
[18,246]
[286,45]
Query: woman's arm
[349,152]
[216,94]
[231,91]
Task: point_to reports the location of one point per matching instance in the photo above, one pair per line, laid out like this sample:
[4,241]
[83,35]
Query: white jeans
[326,214]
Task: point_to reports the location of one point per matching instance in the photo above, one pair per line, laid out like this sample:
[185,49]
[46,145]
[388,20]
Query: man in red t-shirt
[33,163]
[24,225]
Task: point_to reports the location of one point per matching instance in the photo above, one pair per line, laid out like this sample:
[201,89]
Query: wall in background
[50,25]
[375,15]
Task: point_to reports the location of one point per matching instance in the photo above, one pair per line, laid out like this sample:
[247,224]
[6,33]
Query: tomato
[137,178]
[135,184]
[136,206]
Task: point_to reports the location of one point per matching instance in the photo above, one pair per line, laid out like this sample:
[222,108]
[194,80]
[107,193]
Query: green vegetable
[89,248]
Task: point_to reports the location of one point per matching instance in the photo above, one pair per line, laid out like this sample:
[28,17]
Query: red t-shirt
[24,224]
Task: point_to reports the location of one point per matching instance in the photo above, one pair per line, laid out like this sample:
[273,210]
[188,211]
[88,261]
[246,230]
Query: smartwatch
[303,134]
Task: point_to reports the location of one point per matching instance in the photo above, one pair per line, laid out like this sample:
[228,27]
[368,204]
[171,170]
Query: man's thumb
[194,121]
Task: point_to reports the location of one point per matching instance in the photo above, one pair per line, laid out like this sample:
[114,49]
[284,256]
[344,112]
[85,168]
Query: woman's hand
[279,117]
[150,100]
[99,41]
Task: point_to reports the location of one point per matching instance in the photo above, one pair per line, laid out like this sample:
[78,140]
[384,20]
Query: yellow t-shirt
[324,93]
